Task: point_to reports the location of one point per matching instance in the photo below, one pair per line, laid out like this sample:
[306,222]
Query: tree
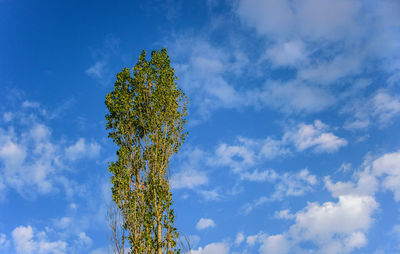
[147,114]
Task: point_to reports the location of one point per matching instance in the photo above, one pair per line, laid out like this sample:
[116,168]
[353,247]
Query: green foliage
[146,120]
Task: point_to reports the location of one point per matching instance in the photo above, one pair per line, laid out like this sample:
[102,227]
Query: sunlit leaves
[146,120]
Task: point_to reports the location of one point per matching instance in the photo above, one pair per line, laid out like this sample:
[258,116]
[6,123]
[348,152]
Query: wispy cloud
[285,185]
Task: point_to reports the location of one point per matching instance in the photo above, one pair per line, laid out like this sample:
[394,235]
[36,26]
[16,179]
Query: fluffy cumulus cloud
[31,161]
[245,153]
[330,222]
[212,248]
[387,167]
[339,226]
[277,244]
[383,173]
[333,227]
[66,235]
[82,149]
[27,241]
[314,136]
[342,226]
[204,223]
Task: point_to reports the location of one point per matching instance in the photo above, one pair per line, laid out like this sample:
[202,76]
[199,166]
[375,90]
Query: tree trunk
[159,236]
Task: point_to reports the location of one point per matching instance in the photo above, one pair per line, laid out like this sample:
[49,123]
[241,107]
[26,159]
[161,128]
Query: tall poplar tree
[146,121]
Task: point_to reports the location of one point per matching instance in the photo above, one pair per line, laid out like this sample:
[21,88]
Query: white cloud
[284,214]
[3,242]
[379,109]
[213,194]
[331,227]
[30,104]
[344,40]
[8,116]
[320,222]
[324,19]
[63,222]
[396,232]
[247,208]
[239,238]
[26,241]
[310,19]
[236,156]
[201,67]
[293,97]
[83,241]
[328,42]
[31,161]
[294,184]
[383,172]
[98,251]
[11,153]
[385,106]
[251,240]
[288,53]
[272,17]
[102,70]
[212,248]
[314,136]
[193,240]
[388,168]
[2,190]
[276,244]
[366,184]
[340,226]
[190,174]
[82,149]
[260,176]
[273,148]
[97,70]
[245,153]
[204,223]
[335,227]
[326,72]
[285,185]
[188,179]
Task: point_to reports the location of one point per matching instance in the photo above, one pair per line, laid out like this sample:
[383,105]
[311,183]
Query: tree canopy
[146,119]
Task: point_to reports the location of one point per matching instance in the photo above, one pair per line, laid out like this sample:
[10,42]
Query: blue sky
[294,142]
